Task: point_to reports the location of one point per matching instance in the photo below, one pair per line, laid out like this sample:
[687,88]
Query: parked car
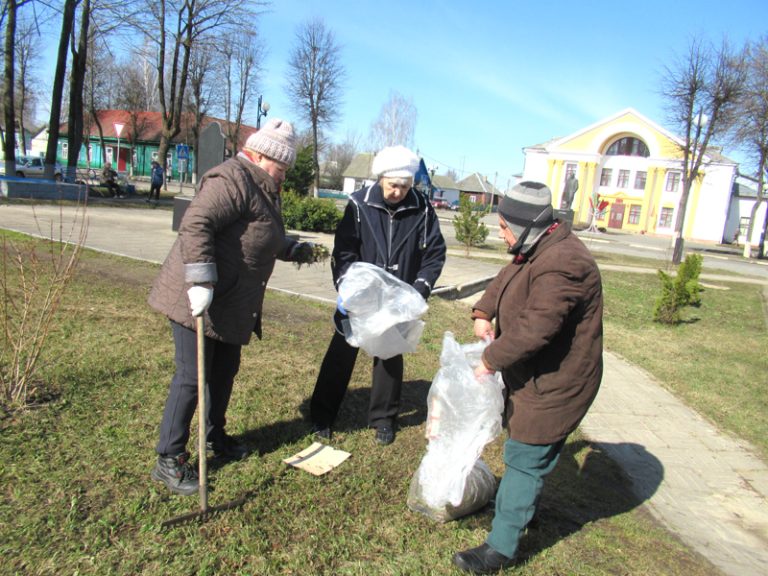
[454,205]
[33,167]
[439,203]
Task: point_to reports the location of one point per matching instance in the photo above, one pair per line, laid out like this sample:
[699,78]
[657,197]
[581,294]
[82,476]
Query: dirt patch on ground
[128,273]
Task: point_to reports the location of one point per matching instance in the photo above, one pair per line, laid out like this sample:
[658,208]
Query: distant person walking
[156,181]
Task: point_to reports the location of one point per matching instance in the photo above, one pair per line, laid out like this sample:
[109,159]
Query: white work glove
[200,298]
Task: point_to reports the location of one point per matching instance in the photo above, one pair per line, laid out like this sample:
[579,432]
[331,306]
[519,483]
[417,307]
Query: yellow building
[635,166]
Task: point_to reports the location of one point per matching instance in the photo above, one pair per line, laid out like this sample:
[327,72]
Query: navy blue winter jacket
[404,240]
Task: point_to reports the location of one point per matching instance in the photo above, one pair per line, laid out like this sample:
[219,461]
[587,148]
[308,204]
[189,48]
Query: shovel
[205,512]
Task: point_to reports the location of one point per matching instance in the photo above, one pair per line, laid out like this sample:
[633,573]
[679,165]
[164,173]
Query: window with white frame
[673,181]
[634,214]
[605,177]
[665,218]
[623,180]
[640,179]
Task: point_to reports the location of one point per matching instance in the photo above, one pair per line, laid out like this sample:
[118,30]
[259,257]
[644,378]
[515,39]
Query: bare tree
[26,57]
[176,26]
[67,25]
[10,15]
[201,89]
[701,91]
[338,159]
[315,76]
[396,123]
[242,56]
[752,130]
[76,86]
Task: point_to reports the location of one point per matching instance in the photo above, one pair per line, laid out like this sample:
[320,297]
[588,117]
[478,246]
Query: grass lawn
[716,360]
[77,497]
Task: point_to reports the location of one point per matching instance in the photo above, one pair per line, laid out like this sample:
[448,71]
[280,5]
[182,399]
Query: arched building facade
[634,167]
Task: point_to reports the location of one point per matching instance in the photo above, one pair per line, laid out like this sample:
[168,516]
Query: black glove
[422,289]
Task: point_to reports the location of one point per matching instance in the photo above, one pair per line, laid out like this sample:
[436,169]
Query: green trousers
[519,489]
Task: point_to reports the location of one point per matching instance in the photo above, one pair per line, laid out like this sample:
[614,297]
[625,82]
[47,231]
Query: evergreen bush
[310,214]
[682,290]
[470,231]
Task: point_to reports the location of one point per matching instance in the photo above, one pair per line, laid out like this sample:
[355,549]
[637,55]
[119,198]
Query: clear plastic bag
[464,414]
[383,311]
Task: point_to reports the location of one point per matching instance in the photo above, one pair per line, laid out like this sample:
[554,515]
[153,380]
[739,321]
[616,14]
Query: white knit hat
[395,162]
[276,140]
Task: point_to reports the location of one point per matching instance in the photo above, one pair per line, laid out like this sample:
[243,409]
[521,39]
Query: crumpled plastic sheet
[464,414]
[383,312]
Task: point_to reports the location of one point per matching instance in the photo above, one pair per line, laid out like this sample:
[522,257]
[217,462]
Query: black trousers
[333,380]
[154,190]
[222,362]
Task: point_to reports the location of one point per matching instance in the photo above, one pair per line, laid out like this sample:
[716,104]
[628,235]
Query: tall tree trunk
[76,85]
[67,21]
[9,115]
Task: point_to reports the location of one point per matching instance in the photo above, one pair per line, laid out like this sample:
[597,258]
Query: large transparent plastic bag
[383,311]
[463,415]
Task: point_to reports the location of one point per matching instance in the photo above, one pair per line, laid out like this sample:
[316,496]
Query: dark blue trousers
[222,362]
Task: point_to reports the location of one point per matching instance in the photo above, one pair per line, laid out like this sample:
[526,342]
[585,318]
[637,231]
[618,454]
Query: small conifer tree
[470,231]
[682,290]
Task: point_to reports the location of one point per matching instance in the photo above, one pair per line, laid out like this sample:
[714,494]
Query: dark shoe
[385,435]
[228,448]
[177,474]
[482,560]
[321,432]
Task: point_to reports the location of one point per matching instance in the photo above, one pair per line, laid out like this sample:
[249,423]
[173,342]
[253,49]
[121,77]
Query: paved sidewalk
[709,489]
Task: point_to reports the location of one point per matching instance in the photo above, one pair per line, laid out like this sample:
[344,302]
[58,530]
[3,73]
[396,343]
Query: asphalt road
[717,257]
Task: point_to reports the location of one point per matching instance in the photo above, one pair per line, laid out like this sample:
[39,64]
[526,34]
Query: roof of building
[478,184]
[444,182]
[148,126]
[360,167]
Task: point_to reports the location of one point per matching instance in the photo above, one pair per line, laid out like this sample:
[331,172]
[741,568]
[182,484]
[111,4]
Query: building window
[640,178]
[665,219]
[634,214]
[65,149]
[605,177]
[623,181]
[628,146]
[673,181]
[743,225]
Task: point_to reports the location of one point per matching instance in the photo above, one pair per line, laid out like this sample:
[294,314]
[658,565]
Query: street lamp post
[261,111]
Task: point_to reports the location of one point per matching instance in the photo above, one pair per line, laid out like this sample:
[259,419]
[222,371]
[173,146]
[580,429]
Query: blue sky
[490,79]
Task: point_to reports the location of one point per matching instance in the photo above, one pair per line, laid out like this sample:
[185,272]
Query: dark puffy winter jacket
[404,240]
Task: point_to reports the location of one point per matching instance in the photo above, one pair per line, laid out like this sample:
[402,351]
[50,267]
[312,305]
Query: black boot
[482,560]
[227,448]
[177,474]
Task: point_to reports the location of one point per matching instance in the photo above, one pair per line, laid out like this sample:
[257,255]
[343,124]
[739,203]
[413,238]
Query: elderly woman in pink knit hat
[230,236]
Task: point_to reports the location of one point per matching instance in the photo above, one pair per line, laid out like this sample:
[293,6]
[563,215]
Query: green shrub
[682,290]
[470,231]
[310,214]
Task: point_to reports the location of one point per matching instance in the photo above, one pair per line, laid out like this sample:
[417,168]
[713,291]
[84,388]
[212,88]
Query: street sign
[118,128]
[182,151]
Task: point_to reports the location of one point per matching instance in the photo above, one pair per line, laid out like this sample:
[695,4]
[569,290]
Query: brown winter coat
[549,337]
[230,235]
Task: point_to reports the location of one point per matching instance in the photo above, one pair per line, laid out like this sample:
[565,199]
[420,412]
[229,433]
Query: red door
[616,218]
